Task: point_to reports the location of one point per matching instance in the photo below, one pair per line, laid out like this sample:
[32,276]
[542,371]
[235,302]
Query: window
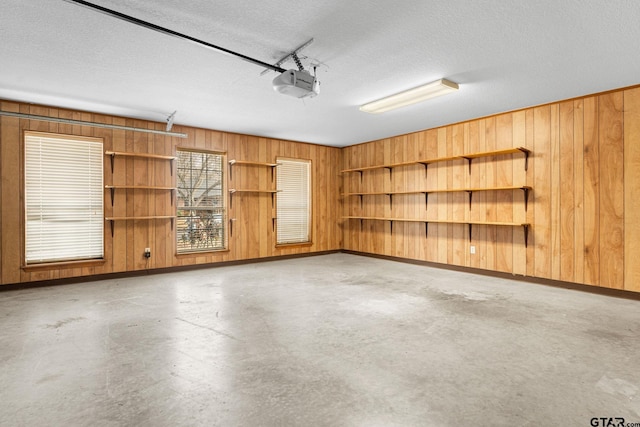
[201,210]
[64,217]
[294,201]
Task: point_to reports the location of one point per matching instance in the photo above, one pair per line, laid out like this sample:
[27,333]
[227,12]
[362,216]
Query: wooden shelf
[470,191]
[139,187]
[379,218]
[235,190]
[495,153]
[244,162]
[435,221]
[468,157]
[127,218]
[113,154]
[233,220]
[249,163]
[526,152]
[525,226]
[386,193]
[113,188]
[395,165]
[146,155]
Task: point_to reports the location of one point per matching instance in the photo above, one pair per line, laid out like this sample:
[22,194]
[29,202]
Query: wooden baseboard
[139,273]
[618,293]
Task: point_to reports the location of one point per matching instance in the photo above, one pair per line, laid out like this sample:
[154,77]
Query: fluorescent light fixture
[411,96]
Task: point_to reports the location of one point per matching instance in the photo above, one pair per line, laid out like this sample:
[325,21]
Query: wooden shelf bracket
[426,169]
[231,222]
[526,157]
[526,197]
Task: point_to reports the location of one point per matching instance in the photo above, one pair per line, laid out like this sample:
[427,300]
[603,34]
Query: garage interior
[465,260]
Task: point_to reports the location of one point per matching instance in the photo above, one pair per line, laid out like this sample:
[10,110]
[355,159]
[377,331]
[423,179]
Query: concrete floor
[333,340]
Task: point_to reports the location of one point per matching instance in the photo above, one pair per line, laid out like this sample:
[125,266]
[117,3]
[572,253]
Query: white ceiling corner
[504,56]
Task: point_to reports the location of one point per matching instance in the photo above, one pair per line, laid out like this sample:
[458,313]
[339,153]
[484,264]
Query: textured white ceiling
[504,55]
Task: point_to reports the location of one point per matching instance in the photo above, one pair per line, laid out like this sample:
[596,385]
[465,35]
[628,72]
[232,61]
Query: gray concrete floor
[333,340]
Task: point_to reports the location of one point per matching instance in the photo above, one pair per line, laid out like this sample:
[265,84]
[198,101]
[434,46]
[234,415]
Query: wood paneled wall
[253,235]
[584,209]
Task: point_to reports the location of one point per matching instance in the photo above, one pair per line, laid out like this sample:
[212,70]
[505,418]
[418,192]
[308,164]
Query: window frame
[80,262]
[225,203]
[309,241]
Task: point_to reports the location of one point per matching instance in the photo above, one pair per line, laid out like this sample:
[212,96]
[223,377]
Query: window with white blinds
[64,217]
[294,201]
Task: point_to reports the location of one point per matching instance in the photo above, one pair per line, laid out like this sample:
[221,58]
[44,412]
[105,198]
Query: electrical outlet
[472,249]
[147,252]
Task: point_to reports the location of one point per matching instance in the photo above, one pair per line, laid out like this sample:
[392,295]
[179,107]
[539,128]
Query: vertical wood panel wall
[584,210]
[253,235]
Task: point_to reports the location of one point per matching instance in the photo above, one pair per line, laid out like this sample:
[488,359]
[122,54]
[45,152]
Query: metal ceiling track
[293,53]
[92,124]
[172,33]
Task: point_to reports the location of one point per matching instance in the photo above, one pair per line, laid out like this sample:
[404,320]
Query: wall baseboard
[139,273]
[617,293]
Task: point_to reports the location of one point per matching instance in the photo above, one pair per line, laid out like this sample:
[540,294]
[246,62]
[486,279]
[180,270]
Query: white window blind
[294,201]
[64,218]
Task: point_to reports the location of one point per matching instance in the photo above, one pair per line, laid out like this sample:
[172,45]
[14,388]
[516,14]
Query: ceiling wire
[173,33]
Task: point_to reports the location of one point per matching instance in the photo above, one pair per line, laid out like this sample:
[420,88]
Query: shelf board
[113,188]
[113,155]
[245,162]
[519,187]
[138,187]
[235,190]
[470,191]
[525,226]
[250,163]
[453,190]
[425,162]
[377,218]
[395,165]
[127,218]
[437,221]
[385,193]
[496,153]
[146,155]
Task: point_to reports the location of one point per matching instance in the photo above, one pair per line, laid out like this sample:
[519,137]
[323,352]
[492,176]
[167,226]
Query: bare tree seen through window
[200,201]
